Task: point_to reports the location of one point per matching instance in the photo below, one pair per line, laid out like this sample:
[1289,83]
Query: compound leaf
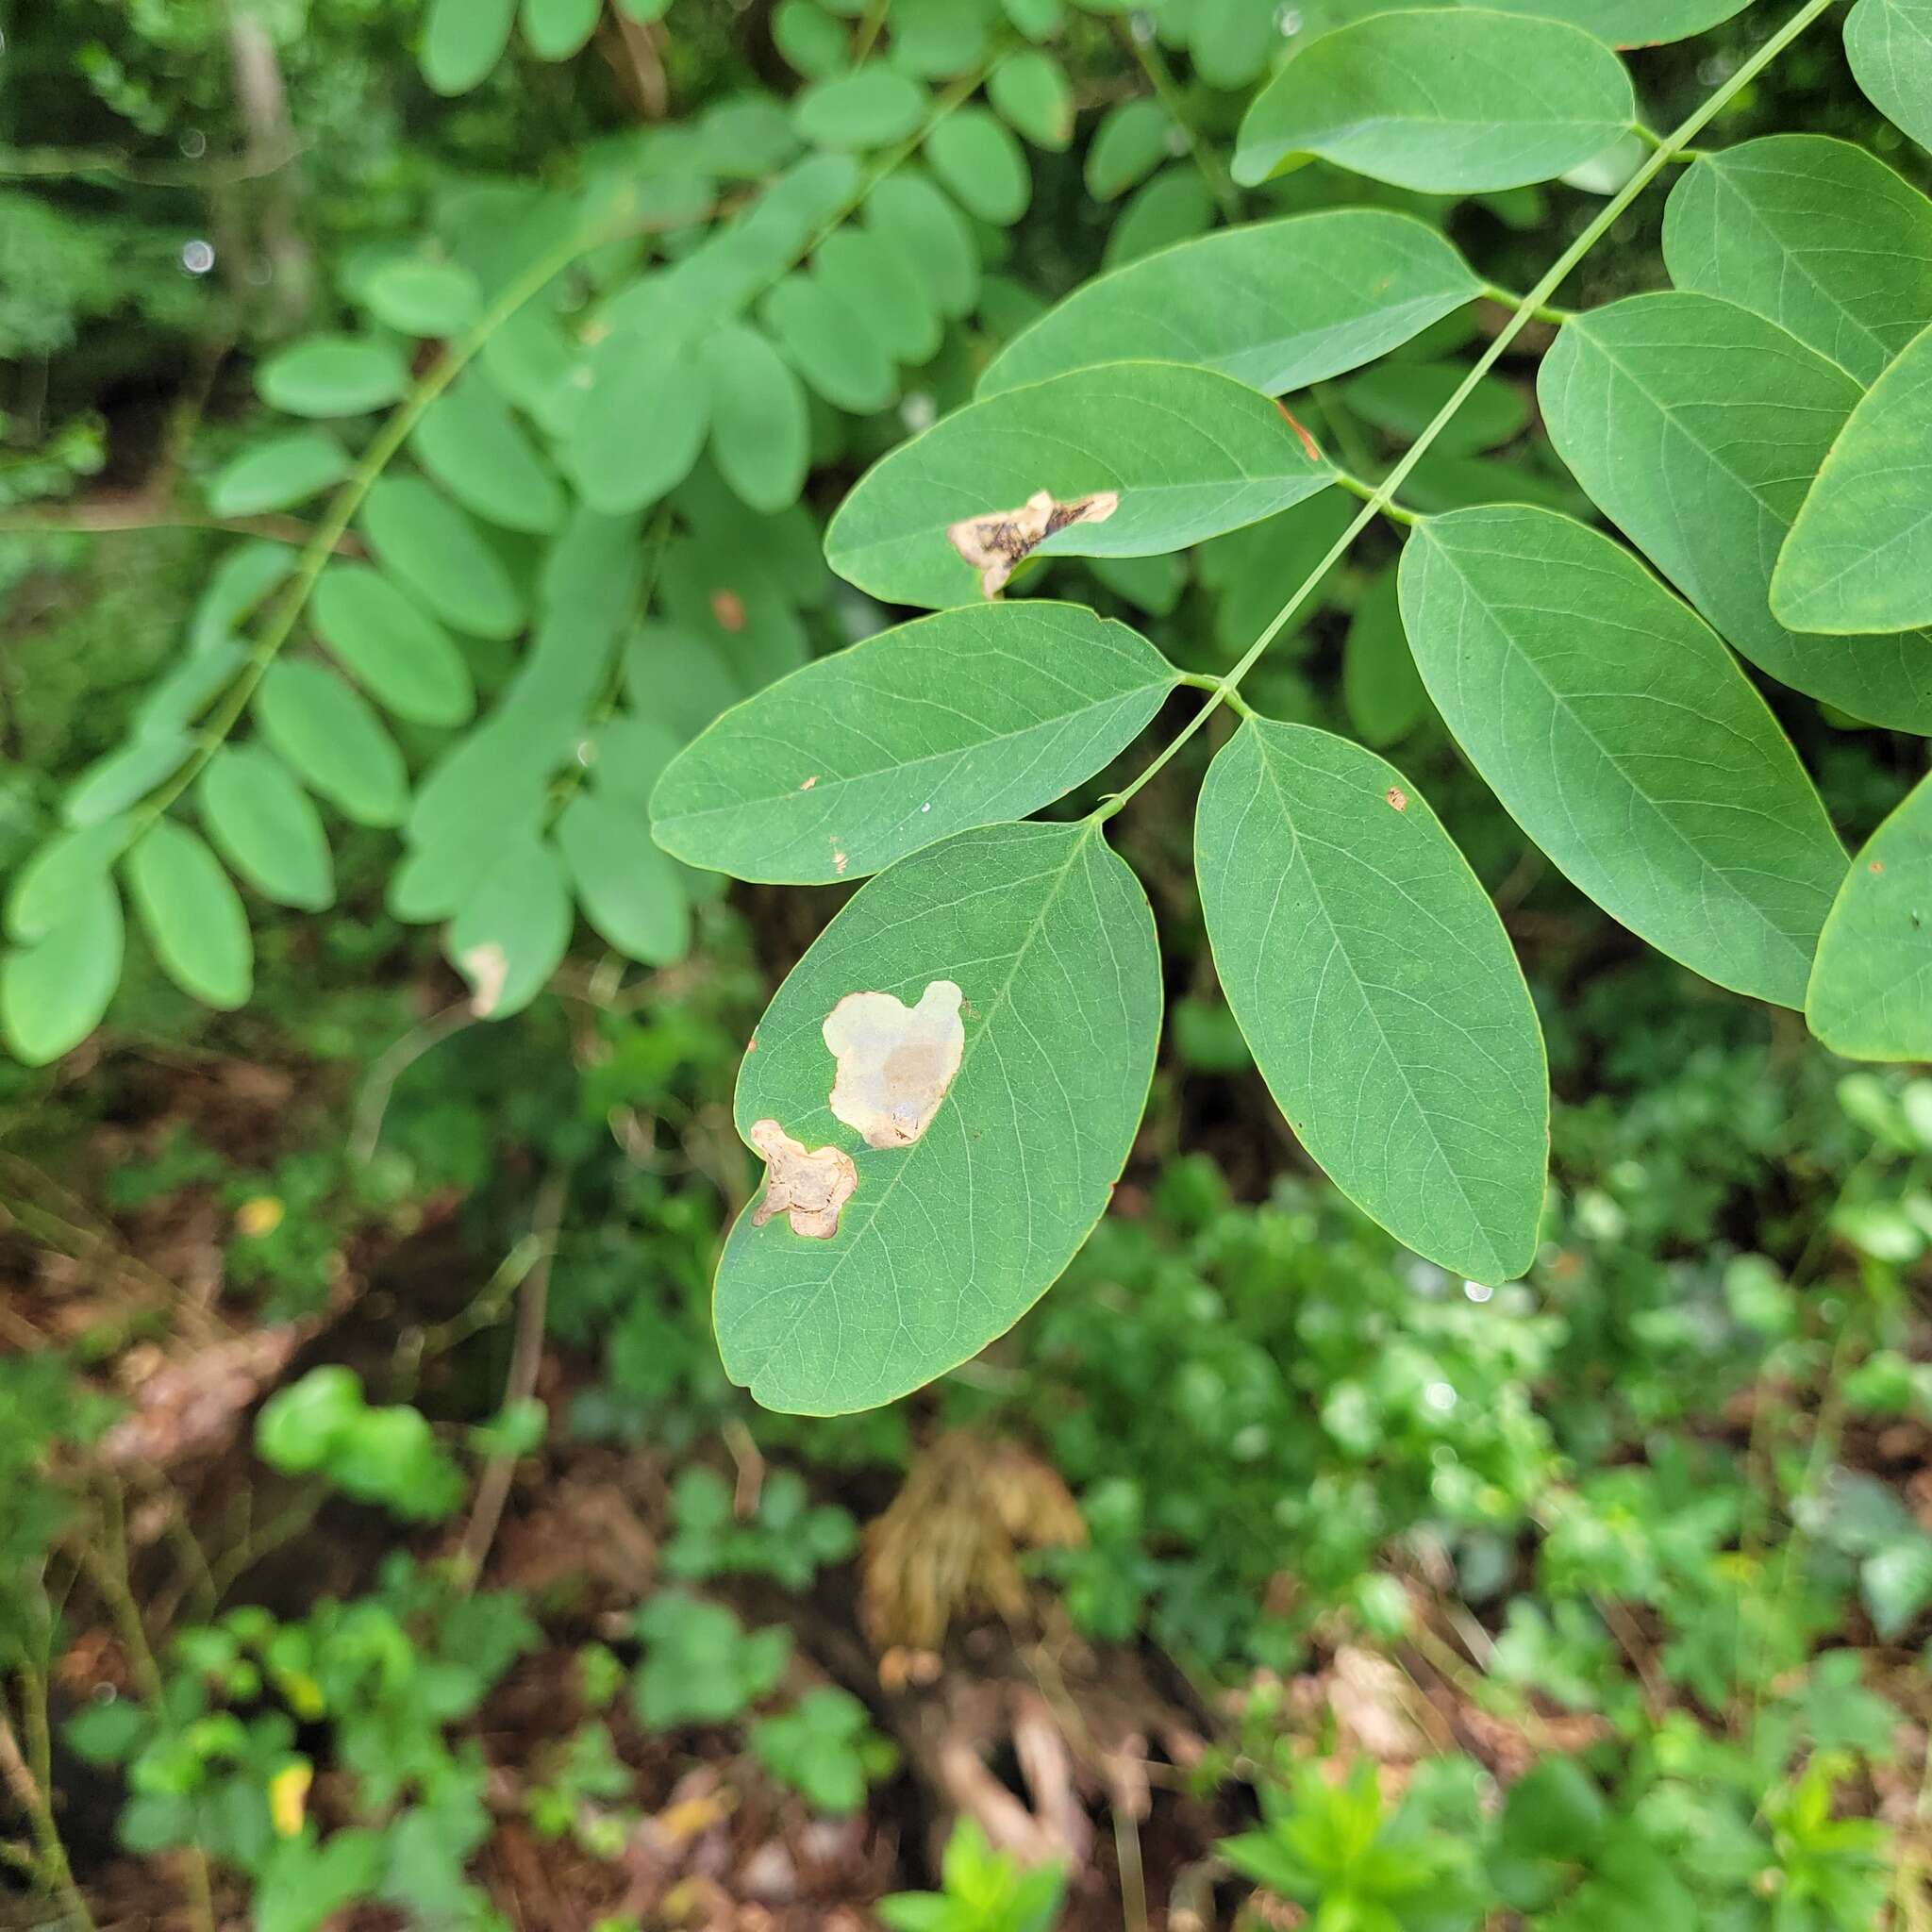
[1859,556]
[1189,452]
[1450,103]
[945,1243]
[1696,426]
[1378,991]
[1870,994]
[1276,305]
[1622,736]
[965,718]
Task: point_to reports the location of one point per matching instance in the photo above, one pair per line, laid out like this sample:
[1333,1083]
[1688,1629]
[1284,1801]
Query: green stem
[1161,78]
[1357,485]
[1508,298]
[1558,272]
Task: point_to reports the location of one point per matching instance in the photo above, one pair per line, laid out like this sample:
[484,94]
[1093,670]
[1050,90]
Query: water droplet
[197,257]
[1439,1396]
[194,143]
[1477,1290]
[928,806]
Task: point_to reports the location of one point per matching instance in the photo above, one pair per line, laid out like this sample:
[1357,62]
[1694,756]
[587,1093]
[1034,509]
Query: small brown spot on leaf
[996,543]
[1877,865]
[838,861]
[809,782]
[1308,445]
[727,607]
[895,1062]
[1397,797]
[808,1186]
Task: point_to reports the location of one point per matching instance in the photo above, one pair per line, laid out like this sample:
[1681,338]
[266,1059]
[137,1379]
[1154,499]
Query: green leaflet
[1275,305]
[120,777]
[392,646]
[277,475]
[982,166]
[262,823]
[1859,556]
[880,287]
[760,426]
[1403,398]
[826,340]
[557,28]
[1378,993]
[1030,92]
[630,890]
[965,718]
[643,421]
[192,915]
[471,444]
[1889,44]
[1696,426]
[334,740]
[1628,22]
[871,107]
[1622,736]
[462,41]
[1871,995]
[333,375]
[917,222]
[1174,208]
[420,537]
[946,1242]
[60,874]
[1189,453]
[511,930]
[1129,143]
[1450,103]
[1815,235]
[427,299]
[54,990]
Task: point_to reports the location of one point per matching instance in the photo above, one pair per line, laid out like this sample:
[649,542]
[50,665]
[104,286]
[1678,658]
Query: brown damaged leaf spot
[997,543]
[810,1186]
[1396,797]
[895,1062]
[487,969]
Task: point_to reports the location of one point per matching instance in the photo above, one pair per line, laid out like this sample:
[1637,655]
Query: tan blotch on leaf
[811,1187]
[895,1062]
[997,543]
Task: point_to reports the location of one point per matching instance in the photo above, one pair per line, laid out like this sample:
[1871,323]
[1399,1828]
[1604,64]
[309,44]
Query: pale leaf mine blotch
[809,1186]
[997,544]
[895,1062]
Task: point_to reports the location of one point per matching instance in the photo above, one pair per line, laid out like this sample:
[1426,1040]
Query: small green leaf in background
[1859,556]
[1871,995]
[965,718]
[1889,44]
[123,776]
[629,890]
[824,1748]
[808,40]
[975,156]
[1276,305]
[1621,735]
[333,375]
[642,421]
[1189,453]
[393,648]
[1173,207]
[471,444]
[1378,991]
[420,537]
[334,740]
[873,108]
[760,424]
[427,299]
[1048,937]
[557,28]
[827,342]
[887,295]
[1132,140]
[1231,39]
[463,40]
[1696,426]
[1815,235]
[192,915]
[277,475]
[512,929]
[911,216]
[1403,398]
[263,824]
[1030,92]
[700,1665]
[1450,103]
[938,38]
[54,990]
[62,872]
[1381,689]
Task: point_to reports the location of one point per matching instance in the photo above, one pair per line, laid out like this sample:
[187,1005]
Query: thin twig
[526,1357]
[53,1868]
